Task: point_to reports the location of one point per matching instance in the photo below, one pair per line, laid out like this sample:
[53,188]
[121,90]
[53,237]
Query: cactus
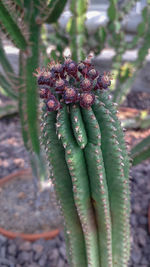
[76,28]
[88,161]
[21,22]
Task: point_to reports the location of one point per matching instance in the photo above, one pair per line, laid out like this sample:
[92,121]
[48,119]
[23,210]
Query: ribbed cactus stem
[63,187]
[78,171]
[85,146]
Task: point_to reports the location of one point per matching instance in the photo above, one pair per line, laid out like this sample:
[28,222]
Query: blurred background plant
[42,31]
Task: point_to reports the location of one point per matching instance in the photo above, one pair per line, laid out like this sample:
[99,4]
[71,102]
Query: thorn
[77,129]
[80,138]
[74,106]
[76,118]
[64,145]
[99,167]
[58,125]
[69,152]
[69,161]
[101,103]
[93,117]
[112,120]
[116,142]
[59,136]
[96,126]
[115,104]
[114,136]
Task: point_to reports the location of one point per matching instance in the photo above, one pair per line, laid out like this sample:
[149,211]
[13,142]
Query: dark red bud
[92,73]
[86,85]
[60,85]
[52,104]
[87,99]
[70,95]
[44,93]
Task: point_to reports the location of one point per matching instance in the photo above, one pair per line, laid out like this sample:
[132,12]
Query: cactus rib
[78,126]
[117,185]
[99,190]
[77,168]
[63,187]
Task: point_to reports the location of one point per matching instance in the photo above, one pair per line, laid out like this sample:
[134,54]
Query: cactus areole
[89,164]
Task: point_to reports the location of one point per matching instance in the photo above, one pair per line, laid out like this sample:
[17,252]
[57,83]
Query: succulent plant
[89,164]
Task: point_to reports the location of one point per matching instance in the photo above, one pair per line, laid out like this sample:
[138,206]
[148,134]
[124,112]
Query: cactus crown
[70,83]
[85,146]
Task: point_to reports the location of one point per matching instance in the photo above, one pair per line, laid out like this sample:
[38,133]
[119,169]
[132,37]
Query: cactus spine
[89,164]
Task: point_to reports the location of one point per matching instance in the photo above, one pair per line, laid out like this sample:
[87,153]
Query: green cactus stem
[85,147]
[12,28]
[78,126]
[63,186]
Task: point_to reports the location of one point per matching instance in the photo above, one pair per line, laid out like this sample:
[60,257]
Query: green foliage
[76,28]
[55,8]
[12,28]
[21,22]
[141,151]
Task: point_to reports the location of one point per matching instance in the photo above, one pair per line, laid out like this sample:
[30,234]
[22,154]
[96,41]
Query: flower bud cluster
[70,83]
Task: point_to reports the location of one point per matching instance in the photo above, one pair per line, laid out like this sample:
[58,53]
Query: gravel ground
[52,253]
[41,253]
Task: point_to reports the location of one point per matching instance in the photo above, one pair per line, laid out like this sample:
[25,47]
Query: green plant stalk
[12,28]
[55,9]
[63,186]
[7,87]
[77,168]
[141,151]
[99,173]
[76,28]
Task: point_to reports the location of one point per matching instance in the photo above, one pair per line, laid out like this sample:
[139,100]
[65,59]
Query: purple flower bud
[71,95]
[104,81]
[44,93]
[60,85]
[87,99]
[92,73]
[86,85]
[52,104]
[82,68]
[71,68]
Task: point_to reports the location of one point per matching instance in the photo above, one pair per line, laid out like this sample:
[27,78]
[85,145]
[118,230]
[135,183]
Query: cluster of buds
[70,83]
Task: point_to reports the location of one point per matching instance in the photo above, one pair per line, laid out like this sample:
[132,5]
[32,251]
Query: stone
[3,239]
[144,261]
[38,248]
[12,249]
[42,261]
[26,246]
[143,220]
[24,257]
[60,263]
[62,250]
[3,252]
[142,236]
[33,264]
[136,255]
[136,208]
